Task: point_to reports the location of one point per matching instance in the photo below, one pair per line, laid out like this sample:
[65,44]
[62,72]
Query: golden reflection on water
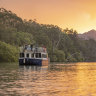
[86,79]
[75,79]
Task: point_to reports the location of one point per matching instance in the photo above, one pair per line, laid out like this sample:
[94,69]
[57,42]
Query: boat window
[32,55]
[27,55]
[21,55]
[38,55]
[44,55]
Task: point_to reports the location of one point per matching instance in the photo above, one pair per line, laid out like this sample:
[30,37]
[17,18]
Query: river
[73,79]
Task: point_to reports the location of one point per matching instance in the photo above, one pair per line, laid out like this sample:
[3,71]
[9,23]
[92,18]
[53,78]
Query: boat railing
[34,49]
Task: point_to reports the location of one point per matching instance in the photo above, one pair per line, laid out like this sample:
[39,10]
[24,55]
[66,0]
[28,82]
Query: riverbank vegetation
[63,45]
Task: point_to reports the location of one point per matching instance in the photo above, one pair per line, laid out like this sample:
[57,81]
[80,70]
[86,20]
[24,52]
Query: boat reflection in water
[33,68]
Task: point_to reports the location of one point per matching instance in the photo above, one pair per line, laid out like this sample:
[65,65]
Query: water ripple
[78,79]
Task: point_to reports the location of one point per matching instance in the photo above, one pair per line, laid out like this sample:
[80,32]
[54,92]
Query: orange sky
[76,14]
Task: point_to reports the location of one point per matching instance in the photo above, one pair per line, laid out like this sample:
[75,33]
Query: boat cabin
[29,53]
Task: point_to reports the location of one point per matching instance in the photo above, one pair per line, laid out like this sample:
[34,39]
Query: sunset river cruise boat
[32,55]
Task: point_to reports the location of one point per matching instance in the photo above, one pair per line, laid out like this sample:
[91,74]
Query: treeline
[62,45]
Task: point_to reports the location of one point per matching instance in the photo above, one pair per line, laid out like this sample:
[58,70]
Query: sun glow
[79,15]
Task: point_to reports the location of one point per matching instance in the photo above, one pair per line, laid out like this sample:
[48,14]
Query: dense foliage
[8,52]
[62,45]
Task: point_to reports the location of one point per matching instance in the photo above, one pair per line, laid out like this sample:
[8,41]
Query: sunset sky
[77,14]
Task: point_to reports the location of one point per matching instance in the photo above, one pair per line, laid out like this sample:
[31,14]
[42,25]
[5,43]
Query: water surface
[74,79]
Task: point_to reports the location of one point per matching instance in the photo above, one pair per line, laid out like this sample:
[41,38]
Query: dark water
[74,79]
